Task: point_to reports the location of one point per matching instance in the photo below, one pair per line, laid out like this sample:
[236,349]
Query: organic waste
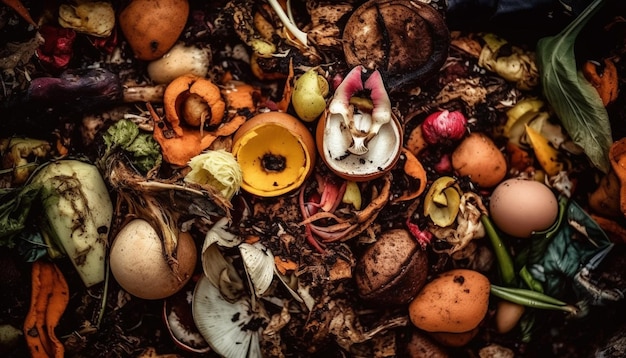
[381,178]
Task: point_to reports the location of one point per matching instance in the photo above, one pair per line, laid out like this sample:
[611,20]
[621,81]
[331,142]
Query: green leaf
[125,135]
[574,100]
[14,210]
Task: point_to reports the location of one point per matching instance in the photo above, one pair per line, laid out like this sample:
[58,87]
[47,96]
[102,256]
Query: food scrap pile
[380,178]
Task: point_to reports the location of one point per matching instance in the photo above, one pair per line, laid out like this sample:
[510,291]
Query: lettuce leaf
[574,100]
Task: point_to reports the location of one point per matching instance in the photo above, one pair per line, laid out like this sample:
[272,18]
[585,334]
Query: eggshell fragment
[454,302]
[478,158]
[519,207]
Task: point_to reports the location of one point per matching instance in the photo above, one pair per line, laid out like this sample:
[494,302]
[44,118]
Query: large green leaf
[574,100]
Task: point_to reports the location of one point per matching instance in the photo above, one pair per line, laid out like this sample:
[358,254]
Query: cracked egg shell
[407,40]
[384,149]
[276,153]
[393,269]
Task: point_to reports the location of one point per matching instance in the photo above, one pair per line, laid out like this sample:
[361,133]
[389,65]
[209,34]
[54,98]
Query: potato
[478,158]
[507,316]
[392,270]
[454,302]
[152,27]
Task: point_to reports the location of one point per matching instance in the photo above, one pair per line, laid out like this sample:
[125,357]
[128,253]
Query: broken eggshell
[96,18]
[406,40]
[359,138]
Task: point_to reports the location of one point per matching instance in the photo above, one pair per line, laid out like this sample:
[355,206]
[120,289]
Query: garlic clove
[258,262]
[232,329]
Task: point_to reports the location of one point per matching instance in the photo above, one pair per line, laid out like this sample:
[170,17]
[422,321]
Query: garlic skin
[93,18]
[443,127]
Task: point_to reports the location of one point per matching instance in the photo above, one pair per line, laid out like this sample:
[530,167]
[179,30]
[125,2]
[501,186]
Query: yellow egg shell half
[519,207]
[456,301]
[279,138]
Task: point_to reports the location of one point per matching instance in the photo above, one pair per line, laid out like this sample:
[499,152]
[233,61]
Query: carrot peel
[49,298]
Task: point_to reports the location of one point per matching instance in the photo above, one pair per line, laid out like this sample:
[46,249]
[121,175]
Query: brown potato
[454,302]
[478,158]
[393,269]
[152,27]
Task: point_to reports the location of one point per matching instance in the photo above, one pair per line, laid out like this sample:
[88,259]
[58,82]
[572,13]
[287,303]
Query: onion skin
[138,264]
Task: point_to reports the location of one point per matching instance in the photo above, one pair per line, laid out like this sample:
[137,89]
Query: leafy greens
[573,98]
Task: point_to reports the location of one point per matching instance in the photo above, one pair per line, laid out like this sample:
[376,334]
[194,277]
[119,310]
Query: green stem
[505,262]
[533,299]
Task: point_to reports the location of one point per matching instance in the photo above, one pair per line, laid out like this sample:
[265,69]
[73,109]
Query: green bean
[505,262]
[530,280]
[530,298]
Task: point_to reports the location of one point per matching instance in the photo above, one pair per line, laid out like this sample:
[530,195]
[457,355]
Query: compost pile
[381,178]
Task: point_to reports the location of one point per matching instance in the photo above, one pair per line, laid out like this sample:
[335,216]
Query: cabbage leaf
[574,100]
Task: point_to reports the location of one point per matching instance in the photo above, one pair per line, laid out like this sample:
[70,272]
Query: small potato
[454,302]
[152,27]
[392,270]
[478,158]
[507,316]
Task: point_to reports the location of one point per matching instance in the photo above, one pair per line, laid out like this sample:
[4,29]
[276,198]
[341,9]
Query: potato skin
[152,27]
[455,302]
[392,270]
[478,158]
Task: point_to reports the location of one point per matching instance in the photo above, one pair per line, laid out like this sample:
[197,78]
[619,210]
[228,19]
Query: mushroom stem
[381,114]
[365,124]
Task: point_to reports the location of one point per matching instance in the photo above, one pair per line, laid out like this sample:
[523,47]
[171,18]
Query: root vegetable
[49,298]
[478,158]
[148,275]
[152,27]
[507,316]
[454,302]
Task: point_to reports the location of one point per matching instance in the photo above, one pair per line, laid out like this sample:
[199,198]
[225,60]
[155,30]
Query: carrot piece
[32,333]
[56,306]
[49,298]
[21,10]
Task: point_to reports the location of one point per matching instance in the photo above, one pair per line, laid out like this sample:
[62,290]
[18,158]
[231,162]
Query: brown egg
[456,301]
[519,207]
[152,27]
[393,269]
